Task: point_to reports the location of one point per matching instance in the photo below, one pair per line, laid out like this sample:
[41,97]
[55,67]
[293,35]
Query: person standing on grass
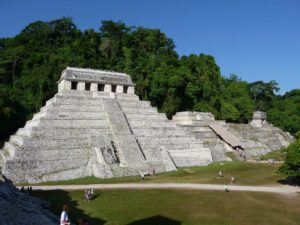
[220,173]
[232,180]
[64,218]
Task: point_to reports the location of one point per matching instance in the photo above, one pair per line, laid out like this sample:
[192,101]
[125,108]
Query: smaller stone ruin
[256,138]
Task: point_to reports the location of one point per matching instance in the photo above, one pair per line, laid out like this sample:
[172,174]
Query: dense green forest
[32,61]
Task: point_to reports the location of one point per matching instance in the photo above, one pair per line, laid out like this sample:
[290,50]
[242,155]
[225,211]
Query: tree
[263,93]
[291,166]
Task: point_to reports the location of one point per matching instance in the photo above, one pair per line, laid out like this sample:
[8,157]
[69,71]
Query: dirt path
[182,186]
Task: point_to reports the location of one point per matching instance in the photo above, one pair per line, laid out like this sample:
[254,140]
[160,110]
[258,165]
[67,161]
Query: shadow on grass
[291,181]
[155,220]
[58,198]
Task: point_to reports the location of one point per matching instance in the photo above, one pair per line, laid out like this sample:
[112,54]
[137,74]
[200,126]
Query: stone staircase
[158,137]
[198,127]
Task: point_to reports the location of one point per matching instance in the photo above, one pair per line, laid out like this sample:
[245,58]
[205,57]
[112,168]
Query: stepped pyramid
[96,126]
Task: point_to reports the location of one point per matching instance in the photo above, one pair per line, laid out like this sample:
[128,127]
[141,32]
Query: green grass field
[184,207]
[244,173]
[175,207]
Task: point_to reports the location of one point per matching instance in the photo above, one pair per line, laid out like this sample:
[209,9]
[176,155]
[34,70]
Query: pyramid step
[78,101]
[24,132]
[157,131]
[131,97]
[41,167]
[53,114]
[77,108]
[29,144]
[66,122]
[188,157]
[63,133]
[54,154]
[143,123]
[139,110]
[75,93]
[152,117]
[135,104]
[9,150]
[39,115]
[50,101]
[78,97]
[170,139]
[169,145]
[16,139]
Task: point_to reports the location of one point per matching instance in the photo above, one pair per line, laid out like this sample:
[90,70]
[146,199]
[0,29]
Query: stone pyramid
[96,126]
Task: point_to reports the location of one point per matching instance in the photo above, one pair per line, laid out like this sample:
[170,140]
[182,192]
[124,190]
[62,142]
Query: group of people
[89,194]
[27,190]
[232,181]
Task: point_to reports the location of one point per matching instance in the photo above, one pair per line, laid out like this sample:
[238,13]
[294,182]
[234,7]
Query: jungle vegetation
[32,61]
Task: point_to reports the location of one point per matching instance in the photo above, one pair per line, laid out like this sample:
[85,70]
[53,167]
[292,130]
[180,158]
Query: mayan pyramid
[96,126]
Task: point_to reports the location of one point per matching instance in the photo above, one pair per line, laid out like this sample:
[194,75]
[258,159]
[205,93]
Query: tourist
[142,176]
[257,159]
[226,188]
[232,180]
[92,192]
[64,218]
[88,195]
[220,173]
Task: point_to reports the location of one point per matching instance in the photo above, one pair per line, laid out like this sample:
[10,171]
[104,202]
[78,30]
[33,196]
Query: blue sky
[255,39]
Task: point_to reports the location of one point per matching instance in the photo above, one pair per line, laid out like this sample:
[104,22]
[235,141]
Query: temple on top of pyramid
[95,80]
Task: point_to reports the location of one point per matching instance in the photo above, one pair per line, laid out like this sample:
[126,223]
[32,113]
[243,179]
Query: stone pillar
[81,86]
[107,88]
[64,85]
[94,87]
[130,90]
[119,89]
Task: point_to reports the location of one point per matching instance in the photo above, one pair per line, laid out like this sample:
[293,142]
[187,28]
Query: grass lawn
[245,174]
[277,155]
[177,207]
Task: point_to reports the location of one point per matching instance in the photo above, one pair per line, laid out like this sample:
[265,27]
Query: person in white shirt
[64,218]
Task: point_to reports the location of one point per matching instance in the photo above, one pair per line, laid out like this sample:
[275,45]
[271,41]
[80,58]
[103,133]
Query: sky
[254,39]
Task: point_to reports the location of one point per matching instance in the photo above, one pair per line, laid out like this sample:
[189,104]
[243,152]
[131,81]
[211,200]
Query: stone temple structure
[253,139]
[96,126]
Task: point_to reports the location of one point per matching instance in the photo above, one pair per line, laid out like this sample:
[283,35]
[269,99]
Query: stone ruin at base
[253,139]
[96,126]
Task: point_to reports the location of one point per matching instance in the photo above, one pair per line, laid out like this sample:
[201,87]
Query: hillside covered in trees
[32,61]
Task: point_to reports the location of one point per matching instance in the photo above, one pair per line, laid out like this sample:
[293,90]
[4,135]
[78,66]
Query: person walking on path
[226,188]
